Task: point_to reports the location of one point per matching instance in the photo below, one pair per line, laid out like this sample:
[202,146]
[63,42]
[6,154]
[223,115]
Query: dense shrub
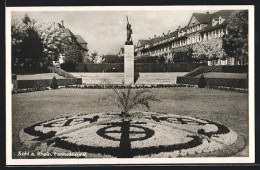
[54,83]
[227,82]
[147,59]
[225,69]
[68,66]
[202,82]
[113,59]
[183,56]
[28,70]
[204,69]
[169,67]
[105,67]
[139,67]
[235,69]
[21,84]
[14,77]
[81,67]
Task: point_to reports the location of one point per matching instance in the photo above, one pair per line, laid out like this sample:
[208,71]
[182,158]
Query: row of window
[194,28]
[190,40]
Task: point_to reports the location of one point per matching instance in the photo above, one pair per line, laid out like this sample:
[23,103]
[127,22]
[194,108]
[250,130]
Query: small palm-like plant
[126,99]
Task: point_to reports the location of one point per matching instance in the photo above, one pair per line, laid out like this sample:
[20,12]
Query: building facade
[76,42]
[201,27]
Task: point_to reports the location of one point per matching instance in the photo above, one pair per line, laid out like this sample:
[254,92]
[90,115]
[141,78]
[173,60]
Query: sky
[105,31]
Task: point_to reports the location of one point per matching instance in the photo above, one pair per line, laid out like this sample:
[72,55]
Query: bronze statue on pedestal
[129,32]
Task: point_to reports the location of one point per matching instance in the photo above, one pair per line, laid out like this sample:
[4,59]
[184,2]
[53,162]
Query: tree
[202,82]
[31,49]
[31,46]
[54,83]
[73,55]
[53,39]
[36,43]
[235,42]
[18,33]
[183,56]
[26,20]
[209,50]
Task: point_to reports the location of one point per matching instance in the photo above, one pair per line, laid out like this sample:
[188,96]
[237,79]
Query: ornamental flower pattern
[210,49]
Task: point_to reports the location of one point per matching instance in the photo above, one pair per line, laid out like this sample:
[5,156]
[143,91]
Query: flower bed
[109,86]
[147,134]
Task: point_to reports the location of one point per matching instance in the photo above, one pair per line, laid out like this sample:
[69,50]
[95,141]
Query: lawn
[228,108]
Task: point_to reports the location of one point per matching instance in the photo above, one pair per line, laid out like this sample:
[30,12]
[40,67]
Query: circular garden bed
[143,135]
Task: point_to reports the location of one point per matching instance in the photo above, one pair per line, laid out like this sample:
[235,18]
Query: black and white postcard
[130,85]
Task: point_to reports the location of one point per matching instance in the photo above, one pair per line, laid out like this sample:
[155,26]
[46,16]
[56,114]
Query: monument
[129,56]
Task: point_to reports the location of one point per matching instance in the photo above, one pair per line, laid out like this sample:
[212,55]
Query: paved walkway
[118,78]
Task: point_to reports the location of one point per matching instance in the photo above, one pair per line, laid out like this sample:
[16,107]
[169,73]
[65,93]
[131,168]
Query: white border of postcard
[250,159]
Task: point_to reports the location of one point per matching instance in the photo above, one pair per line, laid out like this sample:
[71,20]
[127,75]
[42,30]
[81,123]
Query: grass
[228,108]
[224,75]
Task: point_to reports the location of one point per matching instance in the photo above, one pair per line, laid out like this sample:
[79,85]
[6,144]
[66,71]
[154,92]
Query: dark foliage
[224,69]
[226,82]
[221,130]
[69,66]
[54,83]
[235,43]
[67,123]
[183,56]
[202,82]
[113,59]
[41,136]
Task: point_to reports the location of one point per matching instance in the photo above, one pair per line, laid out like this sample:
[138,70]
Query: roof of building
[68,32]
[205,18]
[222,13]
[215,27]
[80,39]
[143,42]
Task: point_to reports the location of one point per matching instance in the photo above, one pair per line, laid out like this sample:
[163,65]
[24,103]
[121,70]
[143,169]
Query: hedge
[28,70]
[227,82]
[168,67]
[20,84]
[224,69]
[139,67]
[104,67]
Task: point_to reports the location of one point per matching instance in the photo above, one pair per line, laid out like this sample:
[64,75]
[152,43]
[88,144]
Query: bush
[68,66]
[235,69]
[202,82]
[54,83]
[224,69]
[226,82]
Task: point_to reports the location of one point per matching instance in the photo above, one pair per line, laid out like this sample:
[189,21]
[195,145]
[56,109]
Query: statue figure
[129,32]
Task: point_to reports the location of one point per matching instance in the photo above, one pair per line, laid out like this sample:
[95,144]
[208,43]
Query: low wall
[139,67]
[227,82]
[20,84]
[70,80]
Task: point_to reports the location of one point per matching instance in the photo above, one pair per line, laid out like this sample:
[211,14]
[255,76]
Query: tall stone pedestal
[129,64]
